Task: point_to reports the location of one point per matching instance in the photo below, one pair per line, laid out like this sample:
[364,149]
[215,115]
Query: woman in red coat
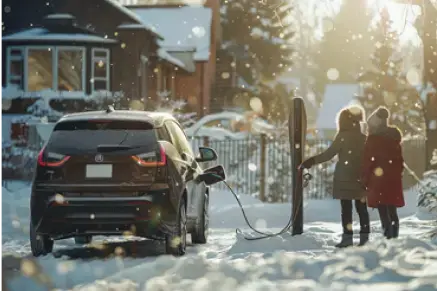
[382,170]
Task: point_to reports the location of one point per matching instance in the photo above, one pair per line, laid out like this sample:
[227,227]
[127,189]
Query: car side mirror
[213,175]
[206,155]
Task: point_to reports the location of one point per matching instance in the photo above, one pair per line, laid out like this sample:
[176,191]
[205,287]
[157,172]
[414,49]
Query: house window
[71,70]
[15,66]
[100,70]
[39,68]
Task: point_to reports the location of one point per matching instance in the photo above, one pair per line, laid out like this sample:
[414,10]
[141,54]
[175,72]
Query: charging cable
[306,178]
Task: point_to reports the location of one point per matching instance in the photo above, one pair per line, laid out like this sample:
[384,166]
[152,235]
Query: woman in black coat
[348,145]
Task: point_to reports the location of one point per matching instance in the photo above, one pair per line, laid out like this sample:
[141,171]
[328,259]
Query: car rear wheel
[176,243]
[200,233]
[40,245]
[83,239]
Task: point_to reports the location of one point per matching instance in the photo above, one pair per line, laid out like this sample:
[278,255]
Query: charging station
[297,127]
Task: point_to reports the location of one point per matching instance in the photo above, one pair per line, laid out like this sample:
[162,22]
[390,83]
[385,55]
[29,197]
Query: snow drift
[407,264]
[228,261]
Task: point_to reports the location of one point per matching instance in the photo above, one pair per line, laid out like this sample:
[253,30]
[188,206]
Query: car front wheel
[176,243]
[40,245]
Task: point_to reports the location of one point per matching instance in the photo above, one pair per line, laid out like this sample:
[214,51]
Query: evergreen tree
[257,32]
[347,43]
[386,84]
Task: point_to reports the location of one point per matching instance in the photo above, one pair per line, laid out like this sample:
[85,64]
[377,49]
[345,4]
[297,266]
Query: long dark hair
[349,118]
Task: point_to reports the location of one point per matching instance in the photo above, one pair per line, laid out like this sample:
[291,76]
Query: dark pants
[388,214]
[346,216]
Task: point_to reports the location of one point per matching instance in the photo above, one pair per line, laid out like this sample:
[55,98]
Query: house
[75,52]
[58,56]
[80,51]
[191,34]
[337,96]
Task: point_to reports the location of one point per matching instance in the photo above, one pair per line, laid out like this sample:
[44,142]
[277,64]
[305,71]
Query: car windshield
[85,136]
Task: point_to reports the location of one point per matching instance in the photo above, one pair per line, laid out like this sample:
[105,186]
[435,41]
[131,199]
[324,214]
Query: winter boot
[346,241]
[364,238]
[388,232]
[395,231]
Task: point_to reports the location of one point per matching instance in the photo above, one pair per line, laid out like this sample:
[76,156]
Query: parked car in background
[108,172]
[229,124]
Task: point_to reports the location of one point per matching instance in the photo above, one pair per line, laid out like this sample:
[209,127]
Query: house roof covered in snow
[43,34]
[163,54]
[139,26]
[182,27]
[337,96]
[133,16]
[185,57]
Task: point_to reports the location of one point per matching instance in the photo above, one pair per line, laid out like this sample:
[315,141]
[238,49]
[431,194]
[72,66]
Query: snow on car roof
[155,118]
[43,34]
[183,28]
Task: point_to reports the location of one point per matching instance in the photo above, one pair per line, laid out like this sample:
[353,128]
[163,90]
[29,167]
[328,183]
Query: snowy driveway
[228,262]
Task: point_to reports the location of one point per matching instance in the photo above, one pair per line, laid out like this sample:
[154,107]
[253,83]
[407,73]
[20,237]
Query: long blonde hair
[350,117]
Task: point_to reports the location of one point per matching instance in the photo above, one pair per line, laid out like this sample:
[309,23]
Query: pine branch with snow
[427,199]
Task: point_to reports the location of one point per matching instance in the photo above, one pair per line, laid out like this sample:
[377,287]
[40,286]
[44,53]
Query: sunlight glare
[403,17]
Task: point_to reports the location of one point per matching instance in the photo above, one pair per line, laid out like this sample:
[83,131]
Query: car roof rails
[110,109]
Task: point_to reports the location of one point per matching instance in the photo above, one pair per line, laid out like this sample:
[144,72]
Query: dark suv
[111,172]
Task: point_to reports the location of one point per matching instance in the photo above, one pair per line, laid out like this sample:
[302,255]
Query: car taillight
[51,159]
[151,159]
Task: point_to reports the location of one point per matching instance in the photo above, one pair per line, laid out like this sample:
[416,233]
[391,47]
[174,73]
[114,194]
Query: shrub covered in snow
[18,163]
[427,199]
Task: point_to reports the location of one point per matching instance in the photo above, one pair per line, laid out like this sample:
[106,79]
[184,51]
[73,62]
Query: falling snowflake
[256,104]
[199,31]
[252,167]
[225,75]
[333,74]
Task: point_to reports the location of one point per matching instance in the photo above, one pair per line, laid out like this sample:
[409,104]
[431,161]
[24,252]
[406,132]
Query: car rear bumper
[63,214]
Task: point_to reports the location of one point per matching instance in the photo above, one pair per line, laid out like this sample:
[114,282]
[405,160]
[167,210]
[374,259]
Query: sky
[403,17]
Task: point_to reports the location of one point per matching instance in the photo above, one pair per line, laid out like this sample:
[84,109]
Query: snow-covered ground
[228,261]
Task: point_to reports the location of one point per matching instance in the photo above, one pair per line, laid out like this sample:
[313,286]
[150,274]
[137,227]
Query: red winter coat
[382,168]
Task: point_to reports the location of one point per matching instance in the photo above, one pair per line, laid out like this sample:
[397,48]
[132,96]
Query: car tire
[176,243]
[200,233]
[40,245]
[83,239]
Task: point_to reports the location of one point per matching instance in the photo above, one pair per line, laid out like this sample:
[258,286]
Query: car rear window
[75,137]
